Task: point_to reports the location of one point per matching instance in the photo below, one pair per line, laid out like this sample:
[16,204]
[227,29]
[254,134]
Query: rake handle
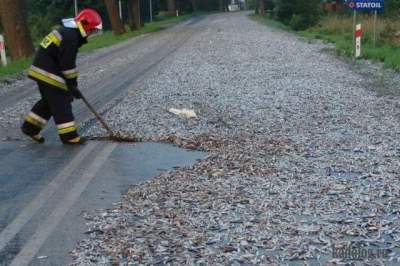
[101,120]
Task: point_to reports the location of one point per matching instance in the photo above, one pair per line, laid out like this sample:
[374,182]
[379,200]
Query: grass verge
[101,41]
[108,38]
[15,67]
[337,29]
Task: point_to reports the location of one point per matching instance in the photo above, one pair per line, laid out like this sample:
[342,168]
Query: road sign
[358,34]
[3,51]
[366,5]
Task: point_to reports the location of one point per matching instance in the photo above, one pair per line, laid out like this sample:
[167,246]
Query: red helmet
[88,22]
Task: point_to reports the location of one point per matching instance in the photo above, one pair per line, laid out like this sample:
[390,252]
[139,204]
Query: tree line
[25,21]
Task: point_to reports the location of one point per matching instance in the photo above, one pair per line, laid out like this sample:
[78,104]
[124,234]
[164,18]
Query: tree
[392,8]
[261,8]
[256,7]
[134,14]
[269,5]
[308,13]
[221,5]
[251,4]
[116,23]
[43,15]
[194,5]
[285,9]
[171,7]
[15,29]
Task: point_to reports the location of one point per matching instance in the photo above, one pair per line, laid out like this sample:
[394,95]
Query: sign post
[3,51]
[358,41]
[354,30]
[375,21]
[366,5]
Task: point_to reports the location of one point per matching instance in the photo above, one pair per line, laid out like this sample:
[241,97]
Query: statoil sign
[366,5]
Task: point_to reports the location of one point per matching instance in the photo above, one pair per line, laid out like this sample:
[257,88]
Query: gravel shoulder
[303,156]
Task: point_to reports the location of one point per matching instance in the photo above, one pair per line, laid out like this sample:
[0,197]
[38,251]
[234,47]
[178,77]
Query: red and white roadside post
[3,51]
[357,35]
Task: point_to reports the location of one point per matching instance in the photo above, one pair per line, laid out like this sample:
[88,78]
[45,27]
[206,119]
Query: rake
[111,135]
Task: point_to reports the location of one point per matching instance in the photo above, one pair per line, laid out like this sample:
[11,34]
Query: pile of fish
[302,162]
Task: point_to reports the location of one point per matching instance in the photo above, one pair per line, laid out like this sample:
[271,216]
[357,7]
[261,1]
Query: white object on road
[3,51]
[186,113]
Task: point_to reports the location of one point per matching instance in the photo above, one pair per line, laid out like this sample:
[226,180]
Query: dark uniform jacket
[55,61]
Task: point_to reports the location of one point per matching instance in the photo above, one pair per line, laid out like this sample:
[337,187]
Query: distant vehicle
[233,8]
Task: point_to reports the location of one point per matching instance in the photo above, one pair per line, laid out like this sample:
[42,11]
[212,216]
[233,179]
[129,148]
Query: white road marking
[31,248]
[29,211]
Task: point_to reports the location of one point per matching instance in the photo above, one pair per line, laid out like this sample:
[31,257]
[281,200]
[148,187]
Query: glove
[76,93]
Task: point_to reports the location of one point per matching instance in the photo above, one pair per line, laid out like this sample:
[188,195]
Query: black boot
[75,141]
[36,137]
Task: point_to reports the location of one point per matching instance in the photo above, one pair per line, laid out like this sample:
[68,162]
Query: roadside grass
[270,22]
[337,29]
[108,38]
[15,67]
[101,41]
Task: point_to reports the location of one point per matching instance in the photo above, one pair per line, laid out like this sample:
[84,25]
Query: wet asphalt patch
[28,169]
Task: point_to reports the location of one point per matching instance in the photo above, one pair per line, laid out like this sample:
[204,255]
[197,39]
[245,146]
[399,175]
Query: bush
[39,26]
[298,23]
[284,10]
[392,8]
[251,4]
[299,14]
[269,4]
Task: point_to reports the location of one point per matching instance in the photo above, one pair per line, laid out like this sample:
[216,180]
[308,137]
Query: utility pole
[120,9]
[76,7]
[151,11]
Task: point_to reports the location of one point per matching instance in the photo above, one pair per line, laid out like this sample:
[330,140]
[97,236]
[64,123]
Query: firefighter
[54,70]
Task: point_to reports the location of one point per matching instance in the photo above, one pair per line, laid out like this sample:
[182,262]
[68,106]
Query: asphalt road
[46,189]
